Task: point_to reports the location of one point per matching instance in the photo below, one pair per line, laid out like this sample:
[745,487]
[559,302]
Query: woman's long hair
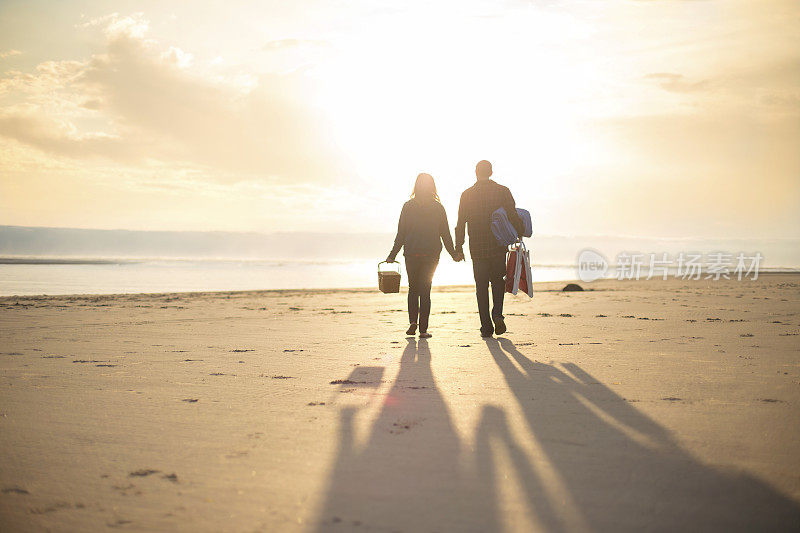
[425,188]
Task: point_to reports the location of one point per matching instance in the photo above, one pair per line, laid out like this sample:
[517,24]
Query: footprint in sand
[236,455]
[52,508]
[14,490]
[144,472]
[401,426]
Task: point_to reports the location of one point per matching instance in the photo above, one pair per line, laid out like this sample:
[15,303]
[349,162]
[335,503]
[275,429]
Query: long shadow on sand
[600,465]
[612,468]
[407,475]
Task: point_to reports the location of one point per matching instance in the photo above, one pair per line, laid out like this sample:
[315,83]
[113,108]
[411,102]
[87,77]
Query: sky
[649,118]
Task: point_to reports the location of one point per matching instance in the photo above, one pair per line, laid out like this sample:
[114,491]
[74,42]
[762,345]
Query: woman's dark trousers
[420,271]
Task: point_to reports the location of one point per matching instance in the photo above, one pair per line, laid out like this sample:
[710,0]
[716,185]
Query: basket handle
[391,263]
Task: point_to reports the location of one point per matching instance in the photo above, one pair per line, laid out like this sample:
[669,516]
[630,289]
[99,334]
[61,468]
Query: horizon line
[356,233]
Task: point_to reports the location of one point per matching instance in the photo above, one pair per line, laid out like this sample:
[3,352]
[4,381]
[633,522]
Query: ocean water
[51,276]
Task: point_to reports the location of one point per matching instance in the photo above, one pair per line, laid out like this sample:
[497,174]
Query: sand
[658,405]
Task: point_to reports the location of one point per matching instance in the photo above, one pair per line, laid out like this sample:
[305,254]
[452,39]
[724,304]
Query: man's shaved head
[483,170]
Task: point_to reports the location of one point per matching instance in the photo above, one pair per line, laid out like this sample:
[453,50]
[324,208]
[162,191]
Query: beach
[634,405]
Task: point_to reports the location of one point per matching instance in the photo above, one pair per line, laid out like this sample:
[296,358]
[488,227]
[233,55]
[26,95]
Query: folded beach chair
[504,231]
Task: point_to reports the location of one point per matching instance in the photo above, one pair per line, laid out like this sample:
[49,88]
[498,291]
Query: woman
[420,232]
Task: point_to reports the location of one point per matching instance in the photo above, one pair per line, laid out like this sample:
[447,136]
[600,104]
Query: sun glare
[450,94]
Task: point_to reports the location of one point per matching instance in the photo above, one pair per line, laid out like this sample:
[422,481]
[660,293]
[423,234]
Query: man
[488,256]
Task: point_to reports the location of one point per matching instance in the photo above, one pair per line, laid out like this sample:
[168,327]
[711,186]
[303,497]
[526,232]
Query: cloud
[151,106]
[55,138]
[767,87]
[789,102]
[264,128]
[114,25]
[177,57]
[676,83]
[9,53]
[47,78]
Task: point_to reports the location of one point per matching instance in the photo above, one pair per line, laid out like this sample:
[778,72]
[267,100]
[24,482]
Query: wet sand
[659,405]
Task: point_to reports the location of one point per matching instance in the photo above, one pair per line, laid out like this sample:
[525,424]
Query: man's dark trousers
[489,270]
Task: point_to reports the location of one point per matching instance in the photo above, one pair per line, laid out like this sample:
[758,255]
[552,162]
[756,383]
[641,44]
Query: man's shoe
[499,326]
[412,329]
[486,332]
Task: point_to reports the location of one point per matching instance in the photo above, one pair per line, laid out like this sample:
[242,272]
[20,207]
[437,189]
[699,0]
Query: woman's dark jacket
[422,229]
